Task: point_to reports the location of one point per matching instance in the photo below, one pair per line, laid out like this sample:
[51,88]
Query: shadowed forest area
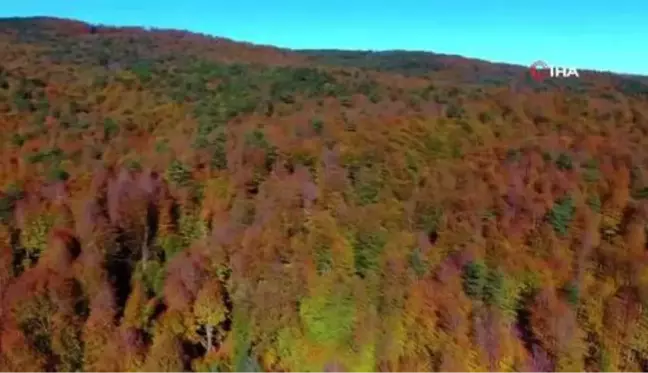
[172,201]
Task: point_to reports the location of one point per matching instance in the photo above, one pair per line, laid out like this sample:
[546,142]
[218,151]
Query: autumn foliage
[175,202]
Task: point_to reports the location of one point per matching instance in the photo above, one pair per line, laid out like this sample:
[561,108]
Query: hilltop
[174,201]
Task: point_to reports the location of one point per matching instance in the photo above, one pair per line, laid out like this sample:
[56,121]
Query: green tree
[328,319]
[561,215]
[474,279]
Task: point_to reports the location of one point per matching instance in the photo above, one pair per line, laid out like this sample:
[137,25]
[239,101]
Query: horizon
[582,34]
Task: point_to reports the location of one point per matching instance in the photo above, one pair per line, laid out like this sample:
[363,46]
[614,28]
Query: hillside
[173,201]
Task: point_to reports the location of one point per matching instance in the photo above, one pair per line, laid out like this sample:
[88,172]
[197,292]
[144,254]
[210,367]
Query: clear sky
[597,34]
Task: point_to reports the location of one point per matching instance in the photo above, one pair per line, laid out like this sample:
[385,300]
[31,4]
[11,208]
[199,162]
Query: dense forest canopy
[173,201]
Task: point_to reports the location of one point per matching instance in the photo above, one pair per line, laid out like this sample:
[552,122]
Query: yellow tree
[210,311]
[100,335]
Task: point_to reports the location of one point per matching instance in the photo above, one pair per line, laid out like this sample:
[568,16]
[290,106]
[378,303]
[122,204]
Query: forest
[171,201]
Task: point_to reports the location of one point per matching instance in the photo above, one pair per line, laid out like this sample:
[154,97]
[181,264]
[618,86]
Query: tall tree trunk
[210,330]
[145,251]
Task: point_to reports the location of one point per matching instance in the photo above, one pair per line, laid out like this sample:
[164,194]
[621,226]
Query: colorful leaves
[34,236]
[209,308]
[282,235]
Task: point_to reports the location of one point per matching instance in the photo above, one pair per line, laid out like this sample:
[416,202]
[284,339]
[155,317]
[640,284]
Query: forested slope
[176,202]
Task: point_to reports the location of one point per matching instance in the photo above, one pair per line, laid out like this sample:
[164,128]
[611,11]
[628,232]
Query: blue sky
[597,34]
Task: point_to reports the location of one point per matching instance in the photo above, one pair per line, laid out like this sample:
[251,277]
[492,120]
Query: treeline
[211,213]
